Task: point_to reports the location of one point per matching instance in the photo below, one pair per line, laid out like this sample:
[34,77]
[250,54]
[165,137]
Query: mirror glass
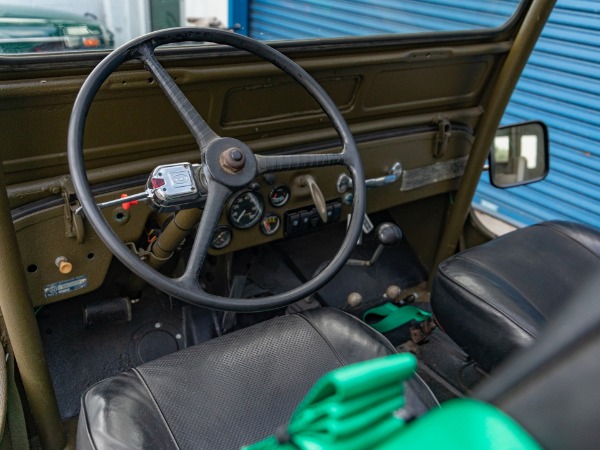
[519,154]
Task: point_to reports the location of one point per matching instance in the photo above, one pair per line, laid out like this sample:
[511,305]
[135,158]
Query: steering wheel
[227,165]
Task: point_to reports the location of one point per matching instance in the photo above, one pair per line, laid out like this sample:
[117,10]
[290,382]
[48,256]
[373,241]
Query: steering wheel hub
[233,160]
[230,162]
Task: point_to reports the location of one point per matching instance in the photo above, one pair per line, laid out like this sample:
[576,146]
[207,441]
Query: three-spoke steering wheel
[218,177]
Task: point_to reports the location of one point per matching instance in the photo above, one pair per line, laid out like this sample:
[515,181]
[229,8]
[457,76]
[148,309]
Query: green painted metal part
[463,424]
[392,316]
[494,106]
[24,334]
[350,408]
[355,408]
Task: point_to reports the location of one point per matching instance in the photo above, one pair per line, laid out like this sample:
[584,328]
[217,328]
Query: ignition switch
[316,194]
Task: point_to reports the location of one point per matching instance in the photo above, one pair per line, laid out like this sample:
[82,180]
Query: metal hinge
[73,222]
[443,135]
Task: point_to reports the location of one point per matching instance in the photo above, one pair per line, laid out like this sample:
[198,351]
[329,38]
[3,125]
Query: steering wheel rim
[142,48]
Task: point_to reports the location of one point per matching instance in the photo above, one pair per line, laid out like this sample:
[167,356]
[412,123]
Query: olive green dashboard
[416,105]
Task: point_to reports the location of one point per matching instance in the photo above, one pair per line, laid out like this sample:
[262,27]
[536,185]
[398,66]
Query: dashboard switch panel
[305,219]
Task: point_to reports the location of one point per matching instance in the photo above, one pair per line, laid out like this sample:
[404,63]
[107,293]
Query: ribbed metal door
[298,19]
[560,85]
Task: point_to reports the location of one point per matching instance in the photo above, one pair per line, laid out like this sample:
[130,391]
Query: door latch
[442,137]
[73,222]
[344,182]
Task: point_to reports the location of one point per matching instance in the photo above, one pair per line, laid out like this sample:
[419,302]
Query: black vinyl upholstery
[495,298]
[232,390]
[553,387]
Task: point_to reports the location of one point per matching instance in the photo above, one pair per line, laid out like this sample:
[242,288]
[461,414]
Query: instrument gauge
[221,237]
[270,224]
[245,209]
[279,196]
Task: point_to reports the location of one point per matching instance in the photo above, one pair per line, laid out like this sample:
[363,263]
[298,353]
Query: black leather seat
[233,390]
[495,298]
[552,388]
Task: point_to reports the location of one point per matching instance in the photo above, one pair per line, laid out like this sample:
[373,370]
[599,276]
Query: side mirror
[519,155]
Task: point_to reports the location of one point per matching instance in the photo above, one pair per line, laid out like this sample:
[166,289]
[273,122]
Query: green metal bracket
[463,424]
[351,408]
[356,408]
[393,316]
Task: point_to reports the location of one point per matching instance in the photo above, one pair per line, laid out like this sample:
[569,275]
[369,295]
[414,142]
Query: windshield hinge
[443,135]
[73,222]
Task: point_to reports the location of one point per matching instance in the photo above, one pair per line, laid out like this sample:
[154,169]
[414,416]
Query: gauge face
[279,196]
[221,237]
[270,224]
[245,209]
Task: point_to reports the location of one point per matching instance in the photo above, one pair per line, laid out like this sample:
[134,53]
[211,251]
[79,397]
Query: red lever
[128,205]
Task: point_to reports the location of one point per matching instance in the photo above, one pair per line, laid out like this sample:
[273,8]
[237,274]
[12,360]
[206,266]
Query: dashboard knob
[389,234]
[63,264]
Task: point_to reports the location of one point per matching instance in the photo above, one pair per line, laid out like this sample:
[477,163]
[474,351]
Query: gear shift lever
[388,235]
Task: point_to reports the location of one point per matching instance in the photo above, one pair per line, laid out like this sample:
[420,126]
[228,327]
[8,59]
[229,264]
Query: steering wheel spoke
[276,163]
[203,134]
[217,195]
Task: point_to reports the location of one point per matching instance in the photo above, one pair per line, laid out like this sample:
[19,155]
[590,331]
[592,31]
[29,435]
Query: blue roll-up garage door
[298,19]
[560,85]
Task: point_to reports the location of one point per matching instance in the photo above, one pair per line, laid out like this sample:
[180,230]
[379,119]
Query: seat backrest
[496,298]
[553,388]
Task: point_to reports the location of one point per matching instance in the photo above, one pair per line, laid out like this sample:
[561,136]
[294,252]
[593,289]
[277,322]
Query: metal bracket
[443,136]
[140,253]
[74,228]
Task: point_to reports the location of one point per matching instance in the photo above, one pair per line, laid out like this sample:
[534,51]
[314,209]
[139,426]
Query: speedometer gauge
[245,209]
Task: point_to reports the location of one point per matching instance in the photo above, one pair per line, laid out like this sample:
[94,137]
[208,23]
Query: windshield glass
[34,26]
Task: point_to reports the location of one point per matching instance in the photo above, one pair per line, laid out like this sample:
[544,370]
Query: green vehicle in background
[33,30]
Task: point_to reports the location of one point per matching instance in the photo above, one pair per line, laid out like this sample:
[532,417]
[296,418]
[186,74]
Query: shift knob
[354,299]
[393,292]
[388,234]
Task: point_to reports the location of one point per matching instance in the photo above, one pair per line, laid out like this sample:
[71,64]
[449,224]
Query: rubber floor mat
[79,357]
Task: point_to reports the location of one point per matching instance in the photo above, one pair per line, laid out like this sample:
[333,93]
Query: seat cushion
[232,390]
[495,298]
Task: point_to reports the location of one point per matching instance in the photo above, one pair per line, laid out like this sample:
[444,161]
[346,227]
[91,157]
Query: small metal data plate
[65,286]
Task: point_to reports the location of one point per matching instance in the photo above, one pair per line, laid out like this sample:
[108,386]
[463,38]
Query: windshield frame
[80,59]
